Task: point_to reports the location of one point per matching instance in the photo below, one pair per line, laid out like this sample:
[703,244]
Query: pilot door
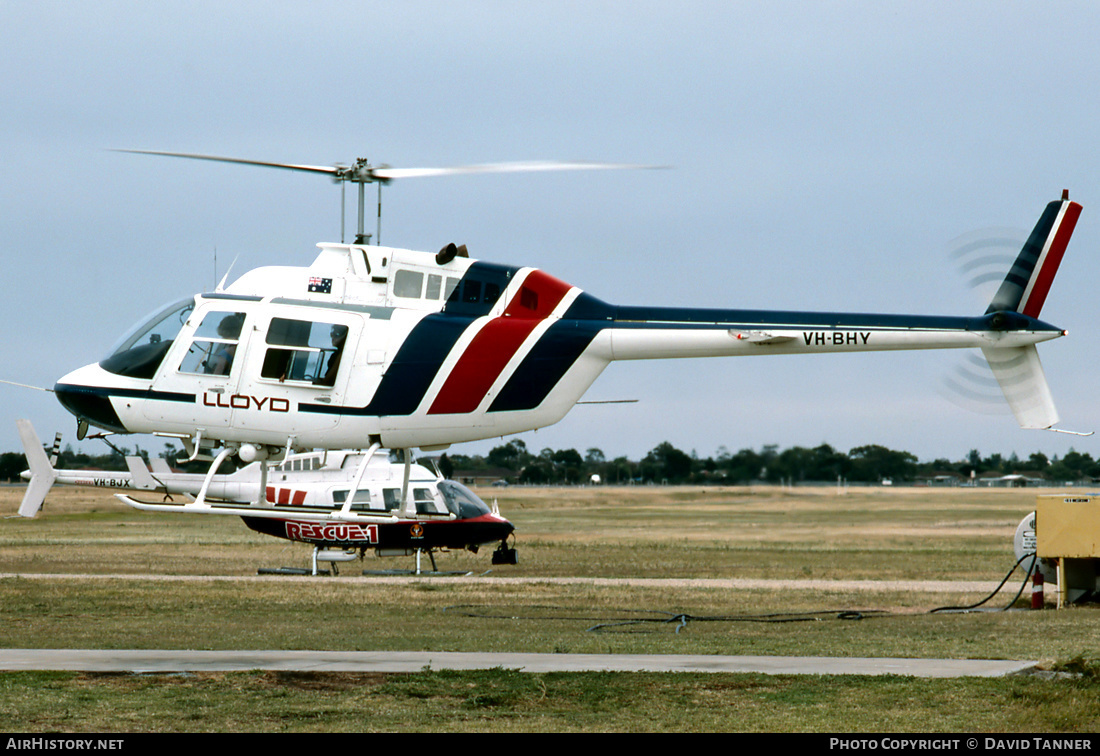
[205,365]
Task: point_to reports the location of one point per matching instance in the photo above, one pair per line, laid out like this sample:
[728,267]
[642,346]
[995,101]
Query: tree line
[665,463]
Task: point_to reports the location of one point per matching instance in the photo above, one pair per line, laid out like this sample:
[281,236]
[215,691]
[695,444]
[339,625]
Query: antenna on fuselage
[361,172]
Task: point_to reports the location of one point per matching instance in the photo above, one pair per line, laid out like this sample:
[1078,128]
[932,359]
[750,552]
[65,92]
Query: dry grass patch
[507,701]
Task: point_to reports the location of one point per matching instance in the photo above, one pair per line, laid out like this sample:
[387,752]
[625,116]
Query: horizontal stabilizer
[42,473]
[1021,377]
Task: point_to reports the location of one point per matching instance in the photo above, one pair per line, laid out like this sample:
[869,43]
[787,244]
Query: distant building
[1015,480]
[943,480]
[486,477]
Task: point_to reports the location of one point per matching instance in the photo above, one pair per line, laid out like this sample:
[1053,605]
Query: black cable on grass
[818,616]
[1027,575]
[661,618]
[680,619]
[534,612]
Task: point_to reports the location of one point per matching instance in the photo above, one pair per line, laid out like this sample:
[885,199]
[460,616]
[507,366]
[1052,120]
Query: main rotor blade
[388,174]
[329,170]
[361,172]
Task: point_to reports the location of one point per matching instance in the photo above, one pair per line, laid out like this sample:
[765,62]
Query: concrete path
[129,660]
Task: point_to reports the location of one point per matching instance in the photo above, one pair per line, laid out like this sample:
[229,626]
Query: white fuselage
[375,344]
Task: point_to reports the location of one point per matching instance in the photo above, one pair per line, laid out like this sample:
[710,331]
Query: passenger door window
[304,351]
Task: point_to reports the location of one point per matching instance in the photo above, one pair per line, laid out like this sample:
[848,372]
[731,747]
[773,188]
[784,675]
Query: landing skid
[419,571]
[291,571]
[332,556]
[320,554]
[502,555]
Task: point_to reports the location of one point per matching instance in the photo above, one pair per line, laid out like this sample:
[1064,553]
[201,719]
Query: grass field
[643,533]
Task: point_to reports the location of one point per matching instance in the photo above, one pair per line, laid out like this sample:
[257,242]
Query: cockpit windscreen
[139,353]
[460,500]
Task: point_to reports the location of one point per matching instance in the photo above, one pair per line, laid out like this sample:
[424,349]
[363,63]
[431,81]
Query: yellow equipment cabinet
[1067,533]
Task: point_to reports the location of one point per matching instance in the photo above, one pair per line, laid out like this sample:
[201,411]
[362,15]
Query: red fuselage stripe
[495,344]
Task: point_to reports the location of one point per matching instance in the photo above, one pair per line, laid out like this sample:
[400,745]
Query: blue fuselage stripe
[412,371]
[545,364]
[109,392]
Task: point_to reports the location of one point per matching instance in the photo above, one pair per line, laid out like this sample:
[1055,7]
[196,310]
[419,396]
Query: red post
[1037,589]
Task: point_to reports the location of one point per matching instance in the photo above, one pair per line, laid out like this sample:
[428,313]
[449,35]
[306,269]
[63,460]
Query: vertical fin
[139,474]
[42,473]
[1025,288]
[1021,377]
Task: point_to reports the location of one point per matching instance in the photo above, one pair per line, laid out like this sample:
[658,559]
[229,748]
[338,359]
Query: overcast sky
[827,156]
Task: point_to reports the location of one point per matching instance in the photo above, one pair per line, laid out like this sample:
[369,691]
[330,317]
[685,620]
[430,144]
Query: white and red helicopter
[372,346]
[306,499]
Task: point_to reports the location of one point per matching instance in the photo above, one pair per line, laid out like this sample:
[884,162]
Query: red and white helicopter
[372,346]
[306,499]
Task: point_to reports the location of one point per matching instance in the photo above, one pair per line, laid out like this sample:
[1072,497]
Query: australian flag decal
[320,285]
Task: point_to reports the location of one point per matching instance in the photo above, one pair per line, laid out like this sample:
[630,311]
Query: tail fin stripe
[1037,289]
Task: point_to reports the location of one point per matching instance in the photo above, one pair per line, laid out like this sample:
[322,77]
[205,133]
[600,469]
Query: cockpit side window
[215,344]
[139,353]
[426,503]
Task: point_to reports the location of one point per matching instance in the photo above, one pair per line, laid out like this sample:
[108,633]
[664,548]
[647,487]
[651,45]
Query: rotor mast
[362,173]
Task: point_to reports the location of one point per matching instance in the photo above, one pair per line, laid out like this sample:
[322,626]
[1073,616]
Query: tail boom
[811,333]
